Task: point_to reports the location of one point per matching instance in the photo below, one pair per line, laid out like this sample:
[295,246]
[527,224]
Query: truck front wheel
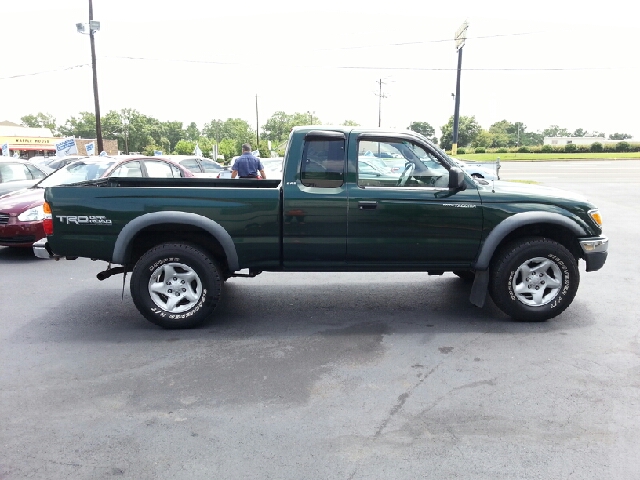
[176,286]
[534,279]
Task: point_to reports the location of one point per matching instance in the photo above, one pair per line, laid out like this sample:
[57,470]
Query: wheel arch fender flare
[518,220]
[504,228]
[122,248]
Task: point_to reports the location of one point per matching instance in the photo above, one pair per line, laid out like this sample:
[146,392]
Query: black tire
[534,298]
[466,275]
[194,279]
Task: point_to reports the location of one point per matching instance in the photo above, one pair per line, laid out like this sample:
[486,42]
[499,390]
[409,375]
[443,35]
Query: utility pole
[95,79]
[380,97]
[460,37]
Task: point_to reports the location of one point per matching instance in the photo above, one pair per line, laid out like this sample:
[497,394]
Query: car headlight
[32,215]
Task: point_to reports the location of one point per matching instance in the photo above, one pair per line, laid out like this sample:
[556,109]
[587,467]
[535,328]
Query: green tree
[483,139]
[579,132]
[214,130]
[83,126]
[173,132]
[350,123]
[468,130]
[235,129]
[500,134]
[229,148]
[425,129]
[533,138]
[619,136]
[40,120]
[184,147]
[279,125]
[192,133]
[555,131]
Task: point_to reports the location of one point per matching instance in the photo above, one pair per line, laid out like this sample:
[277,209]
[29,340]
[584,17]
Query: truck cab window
[323,163]
[399,164]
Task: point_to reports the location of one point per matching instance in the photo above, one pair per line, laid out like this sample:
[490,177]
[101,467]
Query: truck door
[405,215]
[315,202]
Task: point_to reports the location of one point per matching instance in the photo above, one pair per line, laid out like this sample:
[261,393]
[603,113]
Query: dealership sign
[66,147]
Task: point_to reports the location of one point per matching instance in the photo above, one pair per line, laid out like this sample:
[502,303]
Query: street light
[93,26]
[310,117]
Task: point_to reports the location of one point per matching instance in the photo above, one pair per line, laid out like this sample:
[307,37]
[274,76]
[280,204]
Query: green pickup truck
[184,237]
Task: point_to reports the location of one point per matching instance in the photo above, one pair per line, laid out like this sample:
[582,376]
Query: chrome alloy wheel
[175,287]
[537,281]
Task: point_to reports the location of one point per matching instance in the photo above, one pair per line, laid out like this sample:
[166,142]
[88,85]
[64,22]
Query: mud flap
[479,288]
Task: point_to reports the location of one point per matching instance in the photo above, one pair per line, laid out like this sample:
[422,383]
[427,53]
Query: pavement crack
[402,400]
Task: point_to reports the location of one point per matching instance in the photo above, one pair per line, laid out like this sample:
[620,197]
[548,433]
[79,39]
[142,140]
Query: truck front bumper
[595,252]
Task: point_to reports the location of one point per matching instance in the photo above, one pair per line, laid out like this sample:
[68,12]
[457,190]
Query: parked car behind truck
[182,239]
[21,212]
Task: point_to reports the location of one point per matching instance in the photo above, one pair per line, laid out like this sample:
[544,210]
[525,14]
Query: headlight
[32,215]
[595,215]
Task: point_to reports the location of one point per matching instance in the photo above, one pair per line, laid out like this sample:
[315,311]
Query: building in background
[29,142]
[561,141]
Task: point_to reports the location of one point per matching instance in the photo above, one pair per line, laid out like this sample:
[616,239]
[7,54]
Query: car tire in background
[176,285]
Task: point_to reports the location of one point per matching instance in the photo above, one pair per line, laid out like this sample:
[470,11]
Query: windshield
[77,172]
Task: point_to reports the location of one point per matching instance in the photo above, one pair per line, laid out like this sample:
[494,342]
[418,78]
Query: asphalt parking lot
[328,376]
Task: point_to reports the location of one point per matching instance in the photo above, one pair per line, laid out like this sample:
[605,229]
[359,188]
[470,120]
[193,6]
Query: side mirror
[456,179]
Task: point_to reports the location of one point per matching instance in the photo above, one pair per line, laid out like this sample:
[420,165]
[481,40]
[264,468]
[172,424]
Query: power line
[339,67]
[443,40]
[60,69]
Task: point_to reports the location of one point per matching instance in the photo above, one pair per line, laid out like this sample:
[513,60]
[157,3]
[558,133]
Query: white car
[477,171]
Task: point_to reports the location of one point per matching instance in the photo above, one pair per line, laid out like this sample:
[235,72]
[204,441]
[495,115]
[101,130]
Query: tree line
[136,132]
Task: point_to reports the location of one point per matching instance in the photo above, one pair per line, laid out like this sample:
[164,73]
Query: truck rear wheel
[534,279]
[176,286]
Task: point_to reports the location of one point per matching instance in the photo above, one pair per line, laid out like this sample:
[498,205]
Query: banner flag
[66,147]
[197,151]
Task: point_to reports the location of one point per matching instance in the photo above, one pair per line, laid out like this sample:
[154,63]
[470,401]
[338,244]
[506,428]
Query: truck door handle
[367,205]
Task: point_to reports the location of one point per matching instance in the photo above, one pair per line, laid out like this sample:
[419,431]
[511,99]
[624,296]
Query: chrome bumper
[595,252]
[41,249]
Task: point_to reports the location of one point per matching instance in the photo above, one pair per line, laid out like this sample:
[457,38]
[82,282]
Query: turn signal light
[47,223]
[595,214]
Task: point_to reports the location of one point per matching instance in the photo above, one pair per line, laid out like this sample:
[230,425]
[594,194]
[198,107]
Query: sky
[543,63]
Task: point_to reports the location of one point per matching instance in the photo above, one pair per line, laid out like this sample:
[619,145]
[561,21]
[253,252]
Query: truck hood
[501,191]
[18,202]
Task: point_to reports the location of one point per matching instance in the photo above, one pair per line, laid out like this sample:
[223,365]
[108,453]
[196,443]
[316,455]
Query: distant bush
[523,149]
[623,147]
[609,147]
[480,150]
[461,151]
[597,147]
[546,149]
[535,148]
[583,148]
[501,150]
[570,147]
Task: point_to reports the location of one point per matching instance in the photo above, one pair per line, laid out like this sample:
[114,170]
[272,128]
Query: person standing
[247,165]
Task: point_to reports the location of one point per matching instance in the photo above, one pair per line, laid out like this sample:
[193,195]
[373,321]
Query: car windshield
[77,172]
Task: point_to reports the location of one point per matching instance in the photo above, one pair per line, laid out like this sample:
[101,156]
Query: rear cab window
[323,160]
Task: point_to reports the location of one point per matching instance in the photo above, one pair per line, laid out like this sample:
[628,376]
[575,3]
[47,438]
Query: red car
[21,212]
